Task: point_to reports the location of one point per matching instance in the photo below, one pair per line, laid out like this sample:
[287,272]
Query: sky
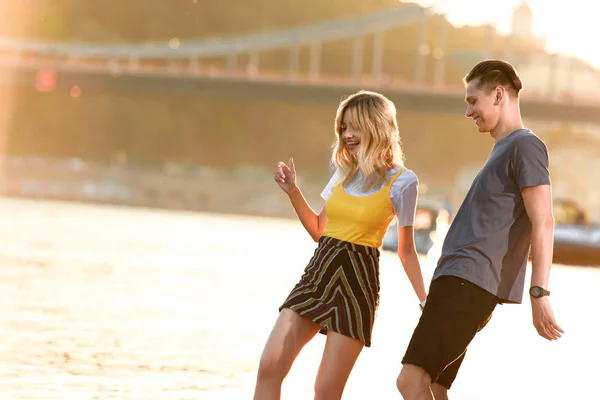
[566,25]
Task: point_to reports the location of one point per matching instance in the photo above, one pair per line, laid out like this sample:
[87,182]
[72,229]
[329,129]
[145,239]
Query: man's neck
[505,128]
[498,135]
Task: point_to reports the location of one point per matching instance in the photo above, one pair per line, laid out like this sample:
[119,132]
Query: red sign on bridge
[45,80]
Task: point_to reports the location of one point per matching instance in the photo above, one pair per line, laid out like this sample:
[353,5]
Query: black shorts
[456,310]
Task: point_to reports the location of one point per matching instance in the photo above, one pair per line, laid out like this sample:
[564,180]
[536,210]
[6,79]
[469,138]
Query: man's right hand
[543,319]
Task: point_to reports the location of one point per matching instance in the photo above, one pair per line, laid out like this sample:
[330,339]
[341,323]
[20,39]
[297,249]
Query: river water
[104,302]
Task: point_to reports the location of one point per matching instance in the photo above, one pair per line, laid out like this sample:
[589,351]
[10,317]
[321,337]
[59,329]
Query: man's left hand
[543,319]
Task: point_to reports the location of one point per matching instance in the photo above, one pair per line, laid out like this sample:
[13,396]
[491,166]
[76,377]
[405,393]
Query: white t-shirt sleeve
[404,193]
[329,188]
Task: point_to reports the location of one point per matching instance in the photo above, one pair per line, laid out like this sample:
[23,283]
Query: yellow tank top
[361,220]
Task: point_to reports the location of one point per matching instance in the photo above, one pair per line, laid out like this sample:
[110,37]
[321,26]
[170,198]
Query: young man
[507,212]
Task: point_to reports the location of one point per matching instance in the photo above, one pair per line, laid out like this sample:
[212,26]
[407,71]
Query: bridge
[190,67]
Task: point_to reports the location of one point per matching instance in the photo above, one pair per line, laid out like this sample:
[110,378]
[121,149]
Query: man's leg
[444,382]
[439,392]
[414,383]
[455,311]
[442,385]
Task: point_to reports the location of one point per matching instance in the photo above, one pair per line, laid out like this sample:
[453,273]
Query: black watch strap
[538,291]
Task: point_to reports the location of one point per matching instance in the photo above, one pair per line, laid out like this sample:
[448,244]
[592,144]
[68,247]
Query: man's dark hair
[493,73]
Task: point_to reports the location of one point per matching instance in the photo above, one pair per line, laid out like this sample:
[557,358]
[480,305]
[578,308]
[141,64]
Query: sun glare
[14,18]
[566,27]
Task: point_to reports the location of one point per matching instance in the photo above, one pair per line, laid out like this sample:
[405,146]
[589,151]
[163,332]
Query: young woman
[338,294]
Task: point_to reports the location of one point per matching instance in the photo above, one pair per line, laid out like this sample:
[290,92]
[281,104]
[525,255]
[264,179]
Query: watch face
[535,291]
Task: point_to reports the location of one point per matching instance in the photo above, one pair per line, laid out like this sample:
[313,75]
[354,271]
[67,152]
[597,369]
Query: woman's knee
[331,388]
[290,333]
[271,367]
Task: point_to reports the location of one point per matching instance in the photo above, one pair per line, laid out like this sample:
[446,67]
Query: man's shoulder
[523,143]
[528,143]
[526,136]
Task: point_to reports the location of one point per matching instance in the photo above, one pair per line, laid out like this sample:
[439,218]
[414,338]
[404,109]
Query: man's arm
[538,204]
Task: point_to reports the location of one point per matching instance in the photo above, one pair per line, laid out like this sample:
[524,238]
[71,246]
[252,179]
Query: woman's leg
[289,335]
[339,357]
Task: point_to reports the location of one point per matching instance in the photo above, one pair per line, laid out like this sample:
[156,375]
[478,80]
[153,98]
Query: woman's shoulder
[405,179]
[407,174]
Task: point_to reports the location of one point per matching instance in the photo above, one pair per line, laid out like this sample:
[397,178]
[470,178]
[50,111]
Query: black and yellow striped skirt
[339,289]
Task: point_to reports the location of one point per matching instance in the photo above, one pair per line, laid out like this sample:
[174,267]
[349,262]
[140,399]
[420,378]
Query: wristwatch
[422,304]
[537,292]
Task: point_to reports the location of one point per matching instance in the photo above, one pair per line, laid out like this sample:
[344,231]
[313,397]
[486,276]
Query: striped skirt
[339,289]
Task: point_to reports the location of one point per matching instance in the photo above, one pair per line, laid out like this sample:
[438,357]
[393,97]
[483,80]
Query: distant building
[544,73]
[522,21]
[521,30]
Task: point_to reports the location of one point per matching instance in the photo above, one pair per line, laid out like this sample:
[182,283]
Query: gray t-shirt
[489,239]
